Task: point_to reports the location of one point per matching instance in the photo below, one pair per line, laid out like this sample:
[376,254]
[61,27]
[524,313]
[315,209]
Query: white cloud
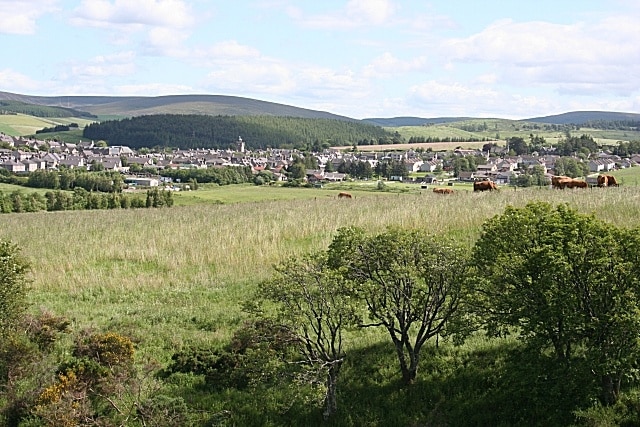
[387,65]
[586,58]
[434,98]
[356,13]
[166,42]
[453,93]
[156,13]
[12,81]
[20,16]
[242,69]
[373,12]
[102,66]
[229,49]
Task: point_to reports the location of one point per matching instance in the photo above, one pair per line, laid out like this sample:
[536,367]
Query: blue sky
[358,58]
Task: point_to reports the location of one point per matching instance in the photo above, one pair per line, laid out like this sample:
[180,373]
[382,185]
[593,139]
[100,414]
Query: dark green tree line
[221,132]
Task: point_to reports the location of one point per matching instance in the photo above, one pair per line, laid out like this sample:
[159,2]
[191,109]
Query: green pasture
[507,129]
[175,277]
[163,273]
[10,188]
[21,124]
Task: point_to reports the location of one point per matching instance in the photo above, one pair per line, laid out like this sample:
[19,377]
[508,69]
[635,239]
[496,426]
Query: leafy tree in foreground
[313,303]
[411,283]
[566,281]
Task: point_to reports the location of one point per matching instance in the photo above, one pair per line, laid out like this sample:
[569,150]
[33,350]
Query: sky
[358,58]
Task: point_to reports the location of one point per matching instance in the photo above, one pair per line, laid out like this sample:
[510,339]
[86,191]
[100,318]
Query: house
[507,165]
[30,165]
[52,160]
[487,168]
[413,165]
[334,176]
[111,163]
[13,166]
[429,166]
[504,178]
[72,162]
[466,176]
[596,166]
[142,181]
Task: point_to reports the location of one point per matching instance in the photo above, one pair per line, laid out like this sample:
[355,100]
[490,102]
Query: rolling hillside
[128,106]
[582,117]
[574,117]
[608,127]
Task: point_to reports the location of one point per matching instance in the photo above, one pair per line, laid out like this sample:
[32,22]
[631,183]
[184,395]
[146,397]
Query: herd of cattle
[557,181]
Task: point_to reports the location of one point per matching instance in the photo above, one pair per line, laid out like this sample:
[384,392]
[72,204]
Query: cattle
[559,181]
[577,183]
[611,181]
[344,196]
[484,186]
[603,180]
[563,182]
[443,190]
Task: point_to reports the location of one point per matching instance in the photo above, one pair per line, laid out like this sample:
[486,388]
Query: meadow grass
[178,275]
[21,124]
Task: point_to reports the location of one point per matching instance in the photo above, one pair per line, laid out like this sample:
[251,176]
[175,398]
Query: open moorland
[175,277]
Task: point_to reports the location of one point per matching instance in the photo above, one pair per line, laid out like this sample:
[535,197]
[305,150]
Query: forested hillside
[219,132]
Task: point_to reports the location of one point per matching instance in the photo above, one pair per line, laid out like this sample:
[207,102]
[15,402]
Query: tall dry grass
[185,270]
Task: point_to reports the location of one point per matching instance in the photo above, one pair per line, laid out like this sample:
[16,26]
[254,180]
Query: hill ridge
[231,105]
[128,106]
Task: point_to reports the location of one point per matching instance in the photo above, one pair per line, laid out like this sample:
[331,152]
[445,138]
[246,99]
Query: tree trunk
[330,401]
[409,371]
[404,369]
[413,365]
[610,390]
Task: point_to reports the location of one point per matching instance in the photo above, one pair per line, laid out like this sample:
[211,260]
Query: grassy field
[175,277]
[502,129]
[21,124]
[179,274]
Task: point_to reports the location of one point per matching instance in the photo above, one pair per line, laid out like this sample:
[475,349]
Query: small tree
[565,281]
[410,282]
[313,303]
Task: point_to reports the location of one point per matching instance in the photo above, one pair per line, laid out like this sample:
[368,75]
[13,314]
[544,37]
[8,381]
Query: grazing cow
[443,190]
[484,186]
[603,180]
[611,181]
[344,196]
[559,181]
[577,183]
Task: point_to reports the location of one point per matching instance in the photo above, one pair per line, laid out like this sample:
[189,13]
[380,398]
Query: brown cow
[559,181]
[344,196]
[611,181]
[443,190]
[603,180]
[577,183]
[484,186]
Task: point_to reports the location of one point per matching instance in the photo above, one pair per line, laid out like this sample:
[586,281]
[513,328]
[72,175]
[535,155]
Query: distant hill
[130,106]
[575,117]
[412,121]
[35,110]
[582,117]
